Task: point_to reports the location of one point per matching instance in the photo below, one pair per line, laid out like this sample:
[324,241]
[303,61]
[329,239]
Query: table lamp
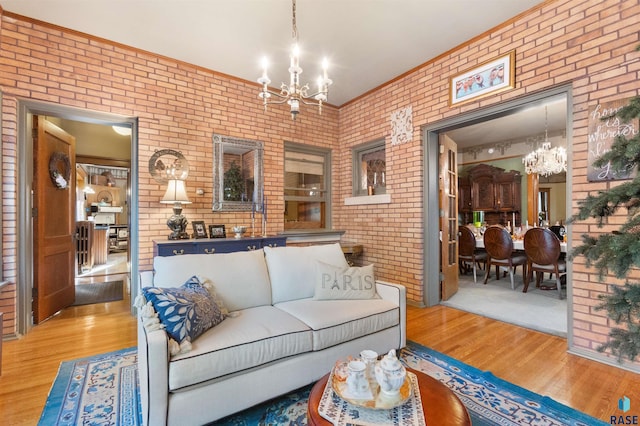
[176,194]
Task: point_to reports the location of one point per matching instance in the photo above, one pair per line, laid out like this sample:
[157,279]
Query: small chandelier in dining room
[545,160]
[294,94]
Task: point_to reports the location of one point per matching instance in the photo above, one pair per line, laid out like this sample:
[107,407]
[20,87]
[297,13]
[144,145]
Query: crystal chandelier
[293,93]
[545,160]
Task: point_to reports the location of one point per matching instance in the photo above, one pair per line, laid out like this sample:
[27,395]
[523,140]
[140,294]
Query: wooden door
[53,219]
[448,181]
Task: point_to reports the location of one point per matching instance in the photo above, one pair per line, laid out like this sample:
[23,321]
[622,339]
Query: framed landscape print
[489,77]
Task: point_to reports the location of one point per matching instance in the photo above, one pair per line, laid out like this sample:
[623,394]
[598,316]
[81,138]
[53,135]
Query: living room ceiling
[367,42]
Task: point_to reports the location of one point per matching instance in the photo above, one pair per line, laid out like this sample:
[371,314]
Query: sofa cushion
[337,321]
[255,337]
[337,283]
[240,278]
[187,311]
[292,269]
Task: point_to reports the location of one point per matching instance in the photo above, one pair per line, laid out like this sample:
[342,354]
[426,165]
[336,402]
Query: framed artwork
[199,230]
[489,77]
[217,231]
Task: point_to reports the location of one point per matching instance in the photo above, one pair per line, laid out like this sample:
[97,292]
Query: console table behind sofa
[215,245]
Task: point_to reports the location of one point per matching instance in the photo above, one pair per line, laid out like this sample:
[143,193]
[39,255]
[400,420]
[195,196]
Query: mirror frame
[227,143]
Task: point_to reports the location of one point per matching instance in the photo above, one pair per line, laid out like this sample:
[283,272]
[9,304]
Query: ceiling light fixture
[122,130]
[294,94]
[545,160]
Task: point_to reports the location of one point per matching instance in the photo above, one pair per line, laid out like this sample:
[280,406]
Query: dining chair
[467,251]
[499,247]
[542,249]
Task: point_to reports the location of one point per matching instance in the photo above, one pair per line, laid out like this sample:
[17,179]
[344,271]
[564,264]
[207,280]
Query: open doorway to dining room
[499,137]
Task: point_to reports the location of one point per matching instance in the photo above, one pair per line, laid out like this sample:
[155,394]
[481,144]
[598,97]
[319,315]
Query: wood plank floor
[533,360]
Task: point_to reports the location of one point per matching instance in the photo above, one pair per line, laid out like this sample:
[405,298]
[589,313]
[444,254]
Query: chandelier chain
[294,27]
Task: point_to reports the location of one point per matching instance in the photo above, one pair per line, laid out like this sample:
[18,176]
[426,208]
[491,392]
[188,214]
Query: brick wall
[578,42]
[583,43]
[179,106]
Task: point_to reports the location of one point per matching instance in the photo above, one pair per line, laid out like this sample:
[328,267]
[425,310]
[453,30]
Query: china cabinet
[492,190]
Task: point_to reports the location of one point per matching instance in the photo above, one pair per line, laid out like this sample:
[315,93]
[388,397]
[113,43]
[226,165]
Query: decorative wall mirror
[237,174]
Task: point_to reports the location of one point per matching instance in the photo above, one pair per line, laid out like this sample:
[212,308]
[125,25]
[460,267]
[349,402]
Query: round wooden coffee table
[440,405]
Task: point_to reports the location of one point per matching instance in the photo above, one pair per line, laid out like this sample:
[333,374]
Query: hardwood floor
[30,364]
[536,361]
[533,360]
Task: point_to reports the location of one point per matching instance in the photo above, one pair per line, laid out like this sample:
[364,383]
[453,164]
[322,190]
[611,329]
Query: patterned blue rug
[103,390]
[98,390]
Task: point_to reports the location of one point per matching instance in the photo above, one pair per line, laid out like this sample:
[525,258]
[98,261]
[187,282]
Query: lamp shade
[176,193]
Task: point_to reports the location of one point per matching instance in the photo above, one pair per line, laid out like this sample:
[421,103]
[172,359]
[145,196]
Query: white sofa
[278,338]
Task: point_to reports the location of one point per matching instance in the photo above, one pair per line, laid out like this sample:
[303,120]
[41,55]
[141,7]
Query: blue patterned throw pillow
[186,311]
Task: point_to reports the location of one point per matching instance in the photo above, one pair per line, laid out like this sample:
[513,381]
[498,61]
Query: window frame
[325,153]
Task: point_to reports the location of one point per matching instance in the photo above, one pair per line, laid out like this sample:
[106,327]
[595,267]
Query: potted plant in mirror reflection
[233,183]
[617,252]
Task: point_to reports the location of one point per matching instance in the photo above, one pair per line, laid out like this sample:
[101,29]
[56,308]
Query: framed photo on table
[489,77]
[217,231]
[199,229]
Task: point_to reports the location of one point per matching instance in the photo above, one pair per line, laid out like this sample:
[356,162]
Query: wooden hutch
[491,190]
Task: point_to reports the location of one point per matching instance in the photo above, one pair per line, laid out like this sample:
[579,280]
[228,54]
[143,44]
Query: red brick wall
[582,43]
[179,106]
[578,42]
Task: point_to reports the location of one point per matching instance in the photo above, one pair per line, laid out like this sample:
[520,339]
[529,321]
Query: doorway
[508,111]
[25,254]
[102,230]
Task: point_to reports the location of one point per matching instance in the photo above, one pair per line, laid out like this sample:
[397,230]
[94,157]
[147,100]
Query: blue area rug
[490,400]
[103,390]
[98,390]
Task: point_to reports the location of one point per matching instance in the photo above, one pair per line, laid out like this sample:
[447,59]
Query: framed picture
[489,77]
[217,231]
[199,230]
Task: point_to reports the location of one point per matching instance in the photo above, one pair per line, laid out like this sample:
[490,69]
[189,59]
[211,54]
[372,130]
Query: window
[306,187]
[369,169]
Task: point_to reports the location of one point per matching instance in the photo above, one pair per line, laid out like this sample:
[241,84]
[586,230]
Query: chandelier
[294,94]
[545,160]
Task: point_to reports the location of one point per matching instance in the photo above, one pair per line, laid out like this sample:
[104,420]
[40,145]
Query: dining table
[518,244]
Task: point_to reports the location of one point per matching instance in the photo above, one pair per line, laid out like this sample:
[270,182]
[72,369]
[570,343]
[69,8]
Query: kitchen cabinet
[490,189]
[215,245]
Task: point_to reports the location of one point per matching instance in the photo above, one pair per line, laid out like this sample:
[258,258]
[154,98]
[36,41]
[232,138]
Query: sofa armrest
[146,279]
[398,294]
[153,370]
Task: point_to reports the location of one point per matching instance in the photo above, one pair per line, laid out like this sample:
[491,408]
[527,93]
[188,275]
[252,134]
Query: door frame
[430,134]
[24,252]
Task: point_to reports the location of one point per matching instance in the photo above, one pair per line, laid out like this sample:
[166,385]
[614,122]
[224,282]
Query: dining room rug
[87,294]
[538,309]
[104,390]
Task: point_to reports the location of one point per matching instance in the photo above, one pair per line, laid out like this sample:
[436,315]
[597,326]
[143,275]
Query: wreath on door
[60,169]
